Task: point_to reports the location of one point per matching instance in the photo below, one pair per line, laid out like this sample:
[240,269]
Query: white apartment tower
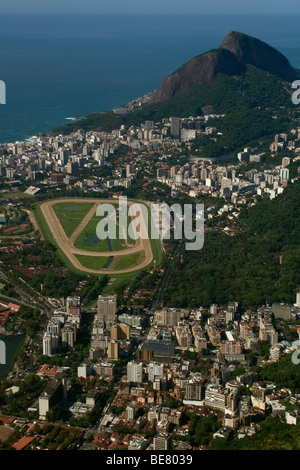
[47,344]
[135,372]
[155,369]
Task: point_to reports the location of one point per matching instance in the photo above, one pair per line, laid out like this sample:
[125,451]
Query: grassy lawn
[88,239]
[16,195]
[71,214]
[119,262]
[124,262]
[92,262]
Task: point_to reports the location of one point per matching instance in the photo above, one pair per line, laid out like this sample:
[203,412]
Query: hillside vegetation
[262,263]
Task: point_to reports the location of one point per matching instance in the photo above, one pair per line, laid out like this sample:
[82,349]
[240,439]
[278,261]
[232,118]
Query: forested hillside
[262,263]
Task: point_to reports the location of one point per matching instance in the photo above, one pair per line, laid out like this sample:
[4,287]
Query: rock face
[198,71]
[249,50]
[235,52]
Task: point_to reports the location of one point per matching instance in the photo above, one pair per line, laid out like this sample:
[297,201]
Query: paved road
[67,244]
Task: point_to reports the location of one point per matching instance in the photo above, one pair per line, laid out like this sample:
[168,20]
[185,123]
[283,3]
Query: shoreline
[124,109]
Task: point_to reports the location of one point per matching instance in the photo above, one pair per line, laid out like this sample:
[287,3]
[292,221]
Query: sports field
[70,215]
[71,225]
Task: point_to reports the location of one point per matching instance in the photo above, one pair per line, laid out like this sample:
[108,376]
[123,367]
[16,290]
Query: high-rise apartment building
[107,307]
[47,344]
[73,307]
[155,369]
[193,389]
[135,372]
[162,441]
[120,331]
[130,411]
[68,337]
[167,317]
[175,126]
[113,350]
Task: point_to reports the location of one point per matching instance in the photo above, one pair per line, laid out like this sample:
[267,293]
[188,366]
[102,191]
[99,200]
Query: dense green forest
[273,435]
[259,264]
[284,373]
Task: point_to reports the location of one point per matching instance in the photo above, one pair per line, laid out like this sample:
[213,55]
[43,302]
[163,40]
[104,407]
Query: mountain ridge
[230,84]
[236,51]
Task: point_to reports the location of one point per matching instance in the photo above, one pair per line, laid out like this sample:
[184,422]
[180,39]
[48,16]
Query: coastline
[41,103]
[124,109]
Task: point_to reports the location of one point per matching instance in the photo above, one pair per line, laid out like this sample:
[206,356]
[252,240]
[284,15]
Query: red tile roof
[6,419]
[22,443]
[14,306]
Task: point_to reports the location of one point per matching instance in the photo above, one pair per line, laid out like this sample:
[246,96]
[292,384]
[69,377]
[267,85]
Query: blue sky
[152,6]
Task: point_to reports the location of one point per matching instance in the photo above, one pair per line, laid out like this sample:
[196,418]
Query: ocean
[61,67]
